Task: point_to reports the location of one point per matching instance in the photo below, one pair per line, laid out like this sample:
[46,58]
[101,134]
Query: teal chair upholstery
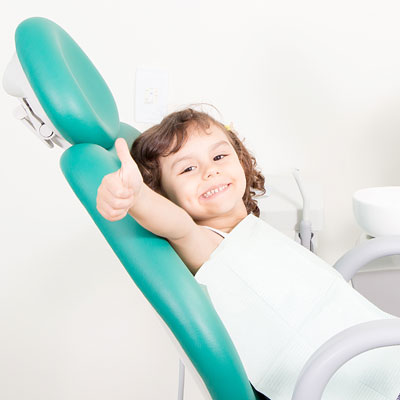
[78,106]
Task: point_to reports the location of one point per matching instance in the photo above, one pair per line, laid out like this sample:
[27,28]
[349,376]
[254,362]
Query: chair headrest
[68,86]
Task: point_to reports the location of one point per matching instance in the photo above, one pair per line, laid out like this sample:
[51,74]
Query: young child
[193,182]
[191,172]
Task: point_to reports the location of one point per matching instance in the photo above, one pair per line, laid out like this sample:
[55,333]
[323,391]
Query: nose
[211,171]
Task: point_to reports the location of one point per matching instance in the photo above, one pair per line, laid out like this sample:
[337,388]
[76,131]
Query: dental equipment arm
[305,232]
[341,348]
[366,252]
[353,341]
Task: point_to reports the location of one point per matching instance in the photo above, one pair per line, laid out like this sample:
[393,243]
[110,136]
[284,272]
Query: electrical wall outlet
[151,95]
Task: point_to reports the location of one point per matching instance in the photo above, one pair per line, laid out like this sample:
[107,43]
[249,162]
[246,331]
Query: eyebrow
[189,156]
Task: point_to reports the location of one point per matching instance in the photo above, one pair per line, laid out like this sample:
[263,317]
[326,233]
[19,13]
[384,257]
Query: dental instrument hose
[305,232]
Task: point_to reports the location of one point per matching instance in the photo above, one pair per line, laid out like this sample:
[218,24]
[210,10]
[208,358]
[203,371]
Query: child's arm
[193,243]
[124,191]
[160,215]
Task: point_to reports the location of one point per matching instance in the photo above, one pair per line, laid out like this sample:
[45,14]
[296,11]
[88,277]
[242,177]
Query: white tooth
[209,193]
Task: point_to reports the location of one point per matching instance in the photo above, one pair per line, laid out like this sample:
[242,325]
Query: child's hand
[118,190]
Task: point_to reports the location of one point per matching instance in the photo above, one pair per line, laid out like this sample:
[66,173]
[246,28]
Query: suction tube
[305,224]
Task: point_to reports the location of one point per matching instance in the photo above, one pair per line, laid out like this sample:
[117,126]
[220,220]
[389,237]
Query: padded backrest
[54,64]
[80,105]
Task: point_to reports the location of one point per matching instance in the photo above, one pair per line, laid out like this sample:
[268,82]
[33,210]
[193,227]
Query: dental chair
[65,102]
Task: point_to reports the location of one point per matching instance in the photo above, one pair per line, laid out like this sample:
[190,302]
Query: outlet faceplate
[151,95]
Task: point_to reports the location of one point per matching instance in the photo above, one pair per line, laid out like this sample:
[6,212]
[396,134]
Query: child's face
[203,163]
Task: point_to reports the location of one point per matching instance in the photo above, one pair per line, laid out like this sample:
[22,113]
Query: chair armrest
[342,347]
[366,252]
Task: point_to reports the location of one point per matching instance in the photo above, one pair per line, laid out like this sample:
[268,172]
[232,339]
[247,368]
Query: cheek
[187,194]
[242,179]
[185,191]
[168,189]
[178,194]
[173,195]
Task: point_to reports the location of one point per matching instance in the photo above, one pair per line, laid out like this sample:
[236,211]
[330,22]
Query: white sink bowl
[377,210]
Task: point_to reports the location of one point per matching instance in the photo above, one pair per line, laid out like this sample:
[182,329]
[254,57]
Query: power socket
[151,95]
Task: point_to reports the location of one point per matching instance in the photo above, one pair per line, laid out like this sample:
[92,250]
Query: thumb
[127,170]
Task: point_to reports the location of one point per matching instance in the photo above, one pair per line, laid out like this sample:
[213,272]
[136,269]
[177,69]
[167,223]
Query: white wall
[308,84]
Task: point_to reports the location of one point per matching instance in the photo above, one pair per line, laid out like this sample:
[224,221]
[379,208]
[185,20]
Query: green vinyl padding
[68,86]
[86,115]
[163,279]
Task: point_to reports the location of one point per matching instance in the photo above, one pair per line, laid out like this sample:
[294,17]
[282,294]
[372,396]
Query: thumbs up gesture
[118,190]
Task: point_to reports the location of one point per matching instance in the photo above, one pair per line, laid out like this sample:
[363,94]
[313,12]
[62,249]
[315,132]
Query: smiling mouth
[215,192]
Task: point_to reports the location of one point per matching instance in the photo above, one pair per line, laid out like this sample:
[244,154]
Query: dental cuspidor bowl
[377,210]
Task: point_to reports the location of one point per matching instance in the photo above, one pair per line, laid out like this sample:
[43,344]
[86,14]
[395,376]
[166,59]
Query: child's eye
[188,169]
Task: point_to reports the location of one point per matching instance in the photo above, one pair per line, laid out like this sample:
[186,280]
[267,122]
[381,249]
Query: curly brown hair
[156,142]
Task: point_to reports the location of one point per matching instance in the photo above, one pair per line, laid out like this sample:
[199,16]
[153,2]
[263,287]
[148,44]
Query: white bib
[280,302]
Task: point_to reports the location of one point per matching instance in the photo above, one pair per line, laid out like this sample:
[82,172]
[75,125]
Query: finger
[111,213]
[123,150]
[112,187]
[127,164]
[114,202]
